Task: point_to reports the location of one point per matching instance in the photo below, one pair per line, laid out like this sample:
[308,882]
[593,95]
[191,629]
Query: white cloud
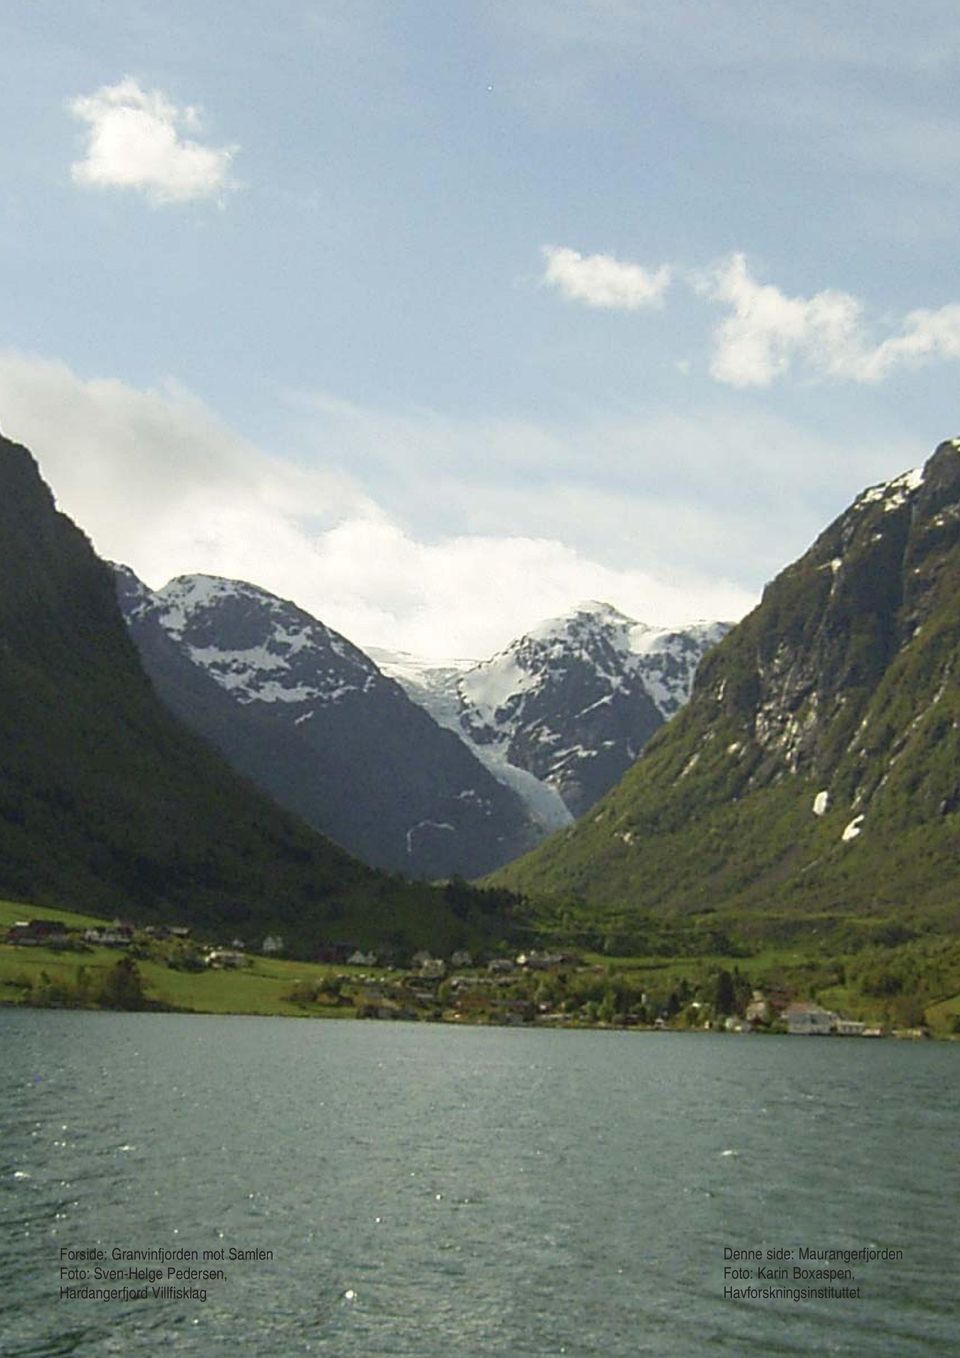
[161,484]
[134,141]
[602,281]
[768,332]
[926,335]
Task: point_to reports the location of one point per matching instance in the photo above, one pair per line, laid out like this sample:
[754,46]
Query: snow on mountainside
[310,718]
[435,688]
[259,647]
[563,711]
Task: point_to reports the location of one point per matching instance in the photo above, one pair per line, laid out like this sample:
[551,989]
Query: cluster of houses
[38,933]
[803,1018]
[812,1020]
[485,994]
[235,956]
[425,964]
[54,933]
[230,959]
[237,953]
[800,1018]
[469,997]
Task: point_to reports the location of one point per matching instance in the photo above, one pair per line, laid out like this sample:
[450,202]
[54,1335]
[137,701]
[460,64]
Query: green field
[258,988]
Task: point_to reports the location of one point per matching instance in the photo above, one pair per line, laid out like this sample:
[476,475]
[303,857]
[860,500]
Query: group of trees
[119,987]
[607,995]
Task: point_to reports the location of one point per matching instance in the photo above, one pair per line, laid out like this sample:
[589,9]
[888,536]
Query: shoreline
[158,1009]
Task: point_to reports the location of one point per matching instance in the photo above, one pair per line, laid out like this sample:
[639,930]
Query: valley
[788,818]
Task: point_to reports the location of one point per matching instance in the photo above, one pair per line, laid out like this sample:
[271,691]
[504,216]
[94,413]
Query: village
[535,987]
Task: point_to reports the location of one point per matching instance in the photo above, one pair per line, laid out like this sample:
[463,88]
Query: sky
[441,318]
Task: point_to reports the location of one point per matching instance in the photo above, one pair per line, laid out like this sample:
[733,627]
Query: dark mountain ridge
[108,804]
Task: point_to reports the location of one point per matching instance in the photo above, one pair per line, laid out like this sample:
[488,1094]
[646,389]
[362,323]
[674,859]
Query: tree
[724,994]
[607,1008]
[122,987]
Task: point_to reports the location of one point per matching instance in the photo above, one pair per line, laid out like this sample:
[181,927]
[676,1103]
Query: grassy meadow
[259,988]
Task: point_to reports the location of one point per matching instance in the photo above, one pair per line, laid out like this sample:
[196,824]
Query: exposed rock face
[311,719]
[806,664]
[818,761]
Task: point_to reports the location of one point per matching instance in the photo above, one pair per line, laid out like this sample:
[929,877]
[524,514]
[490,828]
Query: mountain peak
[941,472]
[598,607]
[588,613]
[190,592]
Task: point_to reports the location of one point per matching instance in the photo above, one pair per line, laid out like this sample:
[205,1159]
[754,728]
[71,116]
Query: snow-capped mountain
[311,719]
[256,646]
[564,710]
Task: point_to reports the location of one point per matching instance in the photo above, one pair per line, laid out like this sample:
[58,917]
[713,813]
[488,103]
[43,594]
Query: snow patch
[821,803]
[328,668]
[231,668]
[852,830]
[434,687]
[186,594]
[690,765]
[894,493]
[491,686]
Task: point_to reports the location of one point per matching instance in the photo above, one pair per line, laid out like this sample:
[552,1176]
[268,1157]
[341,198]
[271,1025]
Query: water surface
[432,1190]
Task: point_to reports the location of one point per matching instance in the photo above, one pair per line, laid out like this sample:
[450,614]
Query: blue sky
[439,318]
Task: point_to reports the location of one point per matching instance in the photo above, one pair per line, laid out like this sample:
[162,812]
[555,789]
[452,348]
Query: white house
[810,1020]
[225,959]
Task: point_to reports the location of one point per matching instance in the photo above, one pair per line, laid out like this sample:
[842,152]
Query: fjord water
[431,1190]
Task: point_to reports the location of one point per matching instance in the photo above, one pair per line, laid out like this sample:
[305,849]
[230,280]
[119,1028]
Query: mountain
[109,805]
[310,718]
[563,711]
[816,769]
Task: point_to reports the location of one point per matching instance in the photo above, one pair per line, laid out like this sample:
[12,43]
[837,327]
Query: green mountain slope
[816,769]
[107,804]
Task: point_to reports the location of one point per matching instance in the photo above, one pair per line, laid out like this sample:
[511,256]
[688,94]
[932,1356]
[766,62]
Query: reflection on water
[422,1190]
